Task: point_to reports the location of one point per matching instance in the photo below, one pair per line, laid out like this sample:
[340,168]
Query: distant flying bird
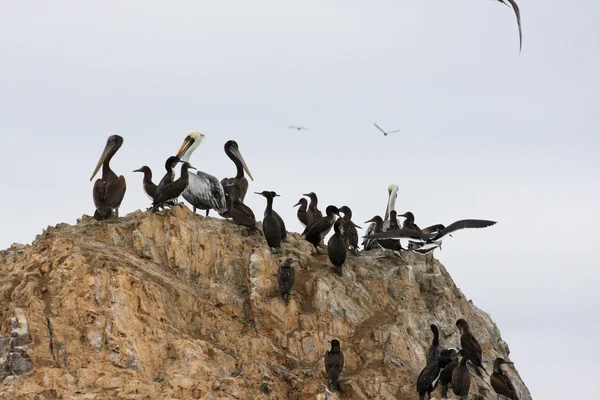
[298,128]
[387,133]
[518,15]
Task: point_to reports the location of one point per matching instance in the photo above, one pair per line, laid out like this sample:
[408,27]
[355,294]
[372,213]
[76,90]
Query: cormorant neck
[269,209]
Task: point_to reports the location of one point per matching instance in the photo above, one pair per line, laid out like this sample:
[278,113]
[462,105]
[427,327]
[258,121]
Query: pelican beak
[105,153]
[387,207]
[238,155]
[298,203]
[187,143]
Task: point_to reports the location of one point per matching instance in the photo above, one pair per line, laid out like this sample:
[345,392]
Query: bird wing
[377,126]
[433,228]
[170,191]
[463,224]
[502,385]
[205,191]
[318,226]
[472,346]
[518,15]
[394,131]
[399,234]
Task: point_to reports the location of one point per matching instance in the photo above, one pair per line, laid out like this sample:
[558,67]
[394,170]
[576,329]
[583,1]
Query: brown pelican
[334,364]
[171,191]
[317,230]
[384,132]
[302,214]
[427,242]
[337,247]
[500,382]
[285,277]
[204,191]
[237,186]
[271,226]
[515,7]
[149,186]
[391,205]
[109,190]
[314,214]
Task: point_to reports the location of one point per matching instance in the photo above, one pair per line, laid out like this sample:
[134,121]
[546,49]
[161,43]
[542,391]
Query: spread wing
[518,15]
[463,224]
[204,191]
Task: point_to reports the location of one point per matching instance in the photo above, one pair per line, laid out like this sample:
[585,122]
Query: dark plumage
[518,15]
[433,351]
[149,186]
[242,215]
[313,212]
[302,213]
[172,191]
[282,226]
[448,358]
[317,230]
[469,345]
[336,247]
[390,244]
[409,222]
[285,277]
[235,188]
[349,229]
[334,364]
[461,378]
[168,178]
[109,190]
[500,382]
[428,379]
[271,225]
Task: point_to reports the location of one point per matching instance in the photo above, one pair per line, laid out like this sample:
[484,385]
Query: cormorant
[450,357]
[337,248]
[168,178]
[317,230]
[461,378]
[109,190]
[349,229]
[302,214]
[334,364]
[469,345]
[172,191]
[500,382]
[271,226]
[433,351]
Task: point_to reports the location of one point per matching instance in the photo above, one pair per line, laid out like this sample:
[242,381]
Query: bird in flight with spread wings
[384,132]
[298,128]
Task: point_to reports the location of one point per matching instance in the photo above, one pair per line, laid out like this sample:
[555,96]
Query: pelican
[239,182]
[204,191]
[110,189]
[369,244]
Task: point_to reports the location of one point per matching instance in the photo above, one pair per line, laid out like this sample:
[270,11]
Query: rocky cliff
[177,306]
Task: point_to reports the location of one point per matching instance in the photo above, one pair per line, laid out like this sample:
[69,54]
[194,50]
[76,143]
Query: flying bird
[298,128]
[109,190]
[388,132]
[515,8]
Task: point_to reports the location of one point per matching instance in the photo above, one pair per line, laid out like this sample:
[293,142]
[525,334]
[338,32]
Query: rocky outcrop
[175,305]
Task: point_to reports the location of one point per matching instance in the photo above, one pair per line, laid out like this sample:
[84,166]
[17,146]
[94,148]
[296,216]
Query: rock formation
[177,306]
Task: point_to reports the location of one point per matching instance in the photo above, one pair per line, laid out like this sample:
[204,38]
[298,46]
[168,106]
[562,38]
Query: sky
[486,132]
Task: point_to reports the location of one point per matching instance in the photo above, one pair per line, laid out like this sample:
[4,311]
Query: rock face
[177,306]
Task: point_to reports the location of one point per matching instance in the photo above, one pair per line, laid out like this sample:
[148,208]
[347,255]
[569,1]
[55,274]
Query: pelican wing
[108,194]
[205,192]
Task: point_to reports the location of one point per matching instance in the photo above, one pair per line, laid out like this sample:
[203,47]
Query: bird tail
[465,397]
[338,270]
[286,298]
[445,391]
[98,216]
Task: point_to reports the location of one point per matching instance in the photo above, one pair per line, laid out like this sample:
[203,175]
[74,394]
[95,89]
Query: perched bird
[298,128]
[241,214]
[235,188]
[285,277]
[317,230]
[336,247]
[515,8]
[168,178]
[369,244]
[334,364]
[302,214]
[427,242]
[149,186]
[469,345]
[409,222]
[461,378]
[109,190]
[384,132]
[428,379]
[377,223]
[500,382]
[449,357]
[271,224]
[314,214]
[171,191]
[434,349]
[349,229]
[204,191]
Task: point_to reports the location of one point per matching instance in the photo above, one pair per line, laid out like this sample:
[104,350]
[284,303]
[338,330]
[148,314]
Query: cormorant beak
[107,149]
[371,220]
[356,226]
[277,195]
[298,203]
[305,194]
[258,193]
[187,143]
[238,155]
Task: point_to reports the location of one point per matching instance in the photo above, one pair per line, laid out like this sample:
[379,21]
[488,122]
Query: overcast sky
[486,132]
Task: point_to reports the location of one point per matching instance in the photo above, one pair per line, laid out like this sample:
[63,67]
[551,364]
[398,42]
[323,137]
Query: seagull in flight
[515,8]
[298,128]
[384,132]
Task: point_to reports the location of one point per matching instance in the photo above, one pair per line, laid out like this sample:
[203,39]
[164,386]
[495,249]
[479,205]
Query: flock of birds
[226,196]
